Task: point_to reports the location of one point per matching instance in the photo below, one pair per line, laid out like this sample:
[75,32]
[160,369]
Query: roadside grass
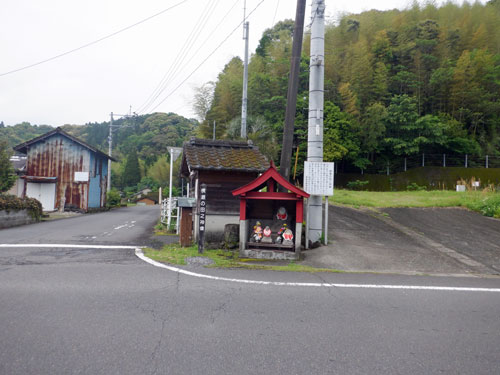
[175,254]
[484,202]
[161,229]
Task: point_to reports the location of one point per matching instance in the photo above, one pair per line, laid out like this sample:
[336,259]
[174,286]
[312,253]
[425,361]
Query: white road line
[140,254]
[69,246]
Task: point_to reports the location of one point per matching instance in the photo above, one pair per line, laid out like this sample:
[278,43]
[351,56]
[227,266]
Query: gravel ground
[410,241]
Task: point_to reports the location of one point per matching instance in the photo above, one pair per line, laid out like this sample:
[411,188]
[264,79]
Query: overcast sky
[124,70]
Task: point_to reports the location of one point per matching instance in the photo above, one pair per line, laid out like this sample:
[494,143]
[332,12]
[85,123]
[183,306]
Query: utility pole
[316,104]
[293,85]
[244,100]
[110,142]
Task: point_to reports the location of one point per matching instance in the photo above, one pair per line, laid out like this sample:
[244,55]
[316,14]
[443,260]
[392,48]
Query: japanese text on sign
[318,178]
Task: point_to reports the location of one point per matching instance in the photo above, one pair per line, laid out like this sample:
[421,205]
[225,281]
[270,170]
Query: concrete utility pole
[316,104]
[244,100]
[293,85]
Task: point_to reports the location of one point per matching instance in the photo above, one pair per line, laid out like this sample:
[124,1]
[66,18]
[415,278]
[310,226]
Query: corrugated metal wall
[60,157]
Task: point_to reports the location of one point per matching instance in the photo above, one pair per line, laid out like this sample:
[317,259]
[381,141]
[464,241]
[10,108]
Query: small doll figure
[281,232]
[257,232]
[267,235]
[288,237]
[281,214]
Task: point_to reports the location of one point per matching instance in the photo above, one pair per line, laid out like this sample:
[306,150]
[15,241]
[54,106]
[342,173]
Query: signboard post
[202,216]
[318,180]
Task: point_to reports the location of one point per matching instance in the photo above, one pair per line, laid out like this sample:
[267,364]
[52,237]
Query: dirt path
[410,240]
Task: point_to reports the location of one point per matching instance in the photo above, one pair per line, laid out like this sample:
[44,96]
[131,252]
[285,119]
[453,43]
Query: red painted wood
[243,209]
[271,186]
[299,218]
[275,196]
[271,173]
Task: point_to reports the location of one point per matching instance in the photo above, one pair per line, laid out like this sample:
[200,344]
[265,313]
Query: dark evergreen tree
[132,172]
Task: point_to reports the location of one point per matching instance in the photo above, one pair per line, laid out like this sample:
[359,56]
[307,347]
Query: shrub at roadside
[113,198]
[488,207]
[11,202]
[415,187]
[357,185]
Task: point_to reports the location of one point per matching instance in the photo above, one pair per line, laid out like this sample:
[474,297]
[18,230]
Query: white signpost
[318,180]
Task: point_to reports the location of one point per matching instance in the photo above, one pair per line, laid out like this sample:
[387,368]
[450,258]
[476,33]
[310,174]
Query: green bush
[11,202]
[113,198]
[489,206]
[415,187]
[357,185]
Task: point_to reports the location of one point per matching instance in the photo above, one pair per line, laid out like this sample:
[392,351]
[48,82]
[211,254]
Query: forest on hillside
[139,144]
[397,83]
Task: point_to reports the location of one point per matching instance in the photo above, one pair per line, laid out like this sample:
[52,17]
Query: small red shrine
[270,221]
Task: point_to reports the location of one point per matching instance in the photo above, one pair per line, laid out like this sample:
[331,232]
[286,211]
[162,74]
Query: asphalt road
[104,311]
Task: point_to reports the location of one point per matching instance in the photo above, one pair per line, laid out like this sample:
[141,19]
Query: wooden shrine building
[262,205]
[222,166]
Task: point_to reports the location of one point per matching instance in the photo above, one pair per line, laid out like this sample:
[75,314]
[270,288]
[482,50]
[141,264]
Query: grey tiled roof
[203,154]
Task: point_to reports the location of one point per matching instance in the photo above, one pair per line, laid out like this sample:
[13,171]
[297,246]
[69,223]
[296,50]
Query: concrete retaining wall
[14,218]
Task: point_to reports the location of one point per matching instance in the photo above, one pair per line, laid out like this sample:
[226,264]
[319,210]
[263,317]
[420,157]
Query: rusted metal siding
[60,157]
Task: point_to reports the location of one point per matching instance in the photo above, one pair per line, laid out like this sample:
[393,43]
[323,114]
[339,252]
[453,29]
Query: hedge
[433,178]
[11,202]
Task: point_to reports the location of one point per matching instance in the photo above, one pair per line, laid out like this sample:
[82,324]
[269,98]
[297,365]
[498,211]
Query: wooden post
[202,218]
[296,160]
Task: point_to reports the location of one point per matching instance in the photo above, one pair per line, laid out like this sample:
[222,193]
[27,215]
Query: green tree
[131,173]
[7,173]
[403,135]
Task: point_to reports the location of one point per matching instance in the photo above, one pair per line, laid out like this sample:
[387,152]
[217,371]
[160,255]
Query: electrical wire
[179,59]
[93,42]
[144,109]
[275,12]
[206,58]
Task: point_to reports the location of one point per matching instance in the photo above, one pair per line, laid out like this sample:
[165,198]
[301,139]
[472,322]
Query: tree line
[397,83]
[139,144]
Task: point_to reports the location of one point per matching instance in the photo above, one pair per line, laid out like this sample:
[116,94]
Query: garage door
[45,193]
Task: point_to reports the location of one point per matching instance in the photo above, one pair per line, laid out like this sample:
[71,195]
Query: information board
[318,178]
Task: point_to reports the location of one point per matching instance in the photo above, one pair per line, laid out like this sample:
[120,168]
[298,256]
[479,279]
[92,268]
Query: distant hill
[149,134]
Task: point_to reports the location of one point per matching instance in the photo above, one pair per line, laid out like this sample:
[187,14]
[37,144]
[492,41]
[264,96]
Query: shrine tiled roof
[203,154]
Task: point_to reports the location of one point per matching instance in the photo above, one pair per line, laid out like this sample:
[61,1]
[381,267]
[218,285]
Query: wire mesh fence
[402,164]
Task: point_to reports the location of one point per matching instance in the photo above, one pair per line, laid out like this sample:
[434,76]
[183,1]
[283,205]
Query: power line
[188,45]
[144,107]
[206,58]
[275,12]
[95,41]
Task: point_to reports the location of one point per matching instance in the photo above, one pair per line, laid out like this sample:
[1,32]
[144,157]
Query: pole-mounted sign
[202,217]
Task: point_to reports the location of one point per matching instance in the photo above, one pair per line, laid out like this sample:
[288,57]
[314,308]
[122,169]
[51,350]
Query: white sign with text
[318,178]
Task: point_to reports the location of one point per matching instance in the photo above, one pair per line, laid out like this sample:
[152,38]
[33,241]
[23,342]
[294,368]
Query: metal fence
[402,164]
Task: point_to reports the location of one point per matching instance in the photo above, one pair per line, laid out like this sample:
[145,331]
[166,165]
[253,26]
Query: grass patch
[433,198]
[175,254]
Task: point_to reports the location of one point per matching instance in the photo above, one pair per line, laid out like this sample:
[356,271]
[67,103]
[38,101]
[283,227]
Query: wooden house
[63,172]
[223,166]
